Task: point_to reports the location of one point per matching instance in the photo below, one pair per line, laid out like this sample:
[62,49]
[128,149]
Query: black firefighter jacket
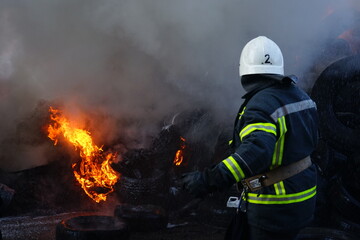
[276,125]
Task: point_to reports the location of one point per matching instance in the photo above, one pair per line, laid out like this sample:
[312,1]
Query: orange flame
[179,155]
[94,172]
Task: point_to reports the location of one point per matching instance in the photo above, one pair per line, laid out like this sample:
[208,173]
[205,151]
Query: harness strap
[275,175]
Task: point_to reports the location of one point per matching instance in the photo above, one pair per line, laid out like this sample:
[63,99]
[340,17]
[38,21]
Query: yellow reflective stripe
[279,188]
[279,146]
[267,127]
[242,112]
[230,142]
[278,154]
[280,199]
[242,175]
[234,168]
[284,130]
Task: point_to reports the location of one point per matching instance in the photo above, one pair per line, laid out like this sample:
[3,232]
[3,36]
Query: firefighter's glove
[195,184]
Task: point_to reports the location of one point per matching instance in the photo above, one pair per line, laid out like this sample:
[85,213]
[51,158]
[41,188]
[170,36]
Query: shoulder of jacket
[267,100]
[267,94]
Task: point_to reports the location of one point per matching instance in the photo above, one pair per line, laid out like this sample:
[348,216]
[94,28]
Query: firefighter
[274,134]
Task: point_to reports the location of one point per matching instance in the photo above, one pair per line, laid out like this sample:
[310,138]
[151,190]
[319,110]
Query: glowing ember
[179,156]
[94,172]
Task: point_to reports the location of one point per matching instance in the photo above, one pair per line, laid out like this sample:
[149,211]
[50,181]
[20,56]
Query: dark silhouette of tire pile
[337,95]
[127,218]
[93,227]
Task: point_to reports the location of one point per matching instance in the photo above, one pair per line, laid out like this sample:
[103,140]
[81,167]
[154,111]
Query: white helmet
[261,56]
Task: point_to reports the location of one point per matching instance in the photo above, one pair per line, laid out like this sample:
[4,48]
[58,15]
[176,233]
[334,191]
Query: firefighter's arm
[251,158]
[254,155]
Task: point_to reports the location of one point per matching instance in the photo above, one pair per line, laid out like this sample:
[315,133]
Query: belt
[276,175]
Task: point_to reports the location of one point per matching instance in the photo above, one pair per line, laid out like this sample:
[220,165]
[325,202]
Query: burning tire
[316,233]
[92,228]
[336,94]
[142,190]
[142,218]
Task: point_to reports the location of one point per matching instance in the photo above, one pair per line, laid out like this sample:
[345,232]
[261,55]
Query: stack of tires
[337,95]
[345,208]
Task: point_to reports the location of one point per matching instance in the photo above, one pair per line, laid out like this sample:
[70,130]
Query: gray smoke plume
[130,66]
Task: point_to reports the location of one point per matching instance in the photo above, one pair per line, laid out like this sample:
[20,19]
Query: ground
[43,228]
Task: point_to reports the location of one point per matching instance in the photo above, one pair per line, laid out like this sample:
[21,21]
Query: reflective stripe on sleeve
[267,127]
[292,107]
[281,199]
[234,168]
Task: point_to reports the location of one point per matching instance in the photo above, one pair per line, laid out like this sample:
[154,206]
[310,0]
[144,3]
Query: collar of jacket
[257,82]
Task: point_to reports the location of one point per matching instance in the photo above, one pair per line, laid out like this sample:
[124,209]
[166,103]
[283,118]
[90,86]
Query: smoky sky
[132,65]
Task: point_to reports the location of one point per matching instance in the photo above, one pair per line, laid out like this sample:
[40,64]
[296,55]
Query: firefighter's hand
[195,184]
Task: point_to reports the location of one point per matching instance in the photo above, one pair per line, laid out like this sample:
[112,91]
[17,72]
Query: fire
[93,172]
[179,156]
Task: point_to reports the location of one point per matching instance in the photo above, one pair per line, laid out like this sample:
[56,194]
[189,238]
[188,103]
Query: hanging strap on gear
[276,175]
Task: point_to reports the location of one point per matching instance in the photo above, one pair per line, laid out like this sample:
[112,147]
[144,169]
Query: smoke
[130,66]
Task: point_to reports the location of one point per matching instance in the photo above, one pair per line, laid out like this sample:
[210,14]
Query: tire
[142,190]
[343,202]
[142,218]
[334,93]
[92,228]
[321,156]
[343,224]
[317,233]
[351,175]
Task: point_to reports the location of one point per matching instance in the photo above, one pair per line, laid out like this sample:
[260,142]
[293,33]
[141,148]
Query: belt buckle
[253,183]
